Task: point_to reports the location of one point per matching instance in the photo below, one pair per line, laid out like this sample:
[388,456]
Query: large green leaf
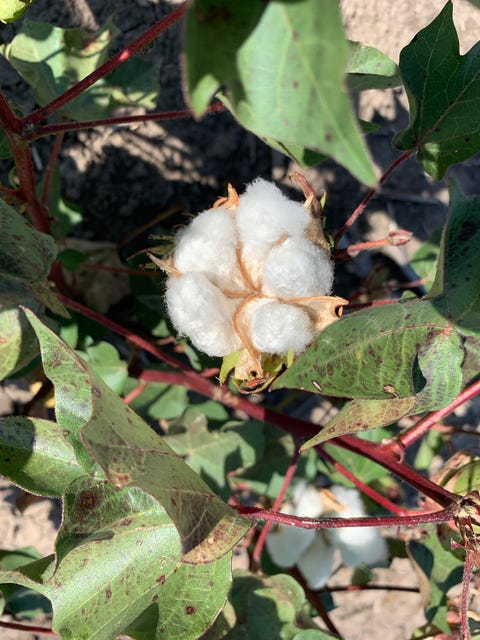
[413,347]
[215,454]
[52,60]
[282,67]
[132,454]
[36,455]
[443,89]
[119,570]
[438,570]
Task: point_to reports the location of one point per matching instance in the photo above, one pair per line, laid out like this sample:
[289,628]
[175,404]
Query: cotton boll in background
[209,245]
[200,311]
[285,544]
[357,544]
[316,562]
[297,269]
[263,216]
[279,328]
[307,500]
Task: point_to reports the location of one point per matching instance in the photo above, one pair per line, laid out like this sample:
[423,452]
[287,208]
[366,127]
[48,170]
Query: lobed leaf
[443,89]
[131,454]
[281,65]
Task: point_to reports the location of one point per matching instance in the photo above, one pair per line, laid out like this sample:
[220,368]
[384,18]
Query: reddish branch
[27,628]
[103,70]
[361,207]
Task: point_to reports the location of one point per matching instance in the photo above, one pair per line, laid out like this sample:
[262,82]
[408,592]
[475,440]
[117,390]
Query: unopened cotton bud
[279,328]
[264,215]
[316,562]
[199,310]
[209,244]
[297,269]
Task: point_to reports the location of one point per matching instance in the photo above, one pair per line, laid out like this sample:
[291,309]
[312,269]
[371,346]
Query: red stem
[27,628]
[103,70]
[258,513]
[411,435]
[299,429]
[359,210]
[467,576]
[257,552]
[49,129]
[22,157]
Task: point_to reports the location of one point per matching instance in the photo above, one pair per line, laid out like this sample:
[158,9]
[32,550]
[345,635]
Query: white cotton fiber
[357,544]
[307,500]
[316,562]
[285,543]
[209,245]
[199,310]
[297,269]
[278,328]
[264,215]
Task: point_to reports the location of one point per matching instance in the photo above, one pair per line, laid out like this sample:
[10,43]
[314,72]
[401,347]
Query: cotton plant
[312,551]
[250,279]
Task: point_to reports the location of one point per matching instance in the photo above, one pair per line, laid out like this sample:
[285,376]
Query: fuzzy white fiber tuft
[199,310]
[279,328]
[209,245]
[297,269]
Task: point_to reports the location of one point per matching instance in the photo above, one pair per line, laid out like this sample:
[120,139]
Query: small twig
[28,628]
[412,434]
[134,393]
[368,587]
[148,225]
[257,552]
[359,210]
[467,576]
[49,129]
[106,68]
[396,238]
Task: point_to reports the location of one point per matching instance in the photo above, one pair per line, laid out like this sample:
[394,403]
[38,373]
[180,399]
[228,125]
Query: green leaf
[5,149]
[36,455]
[282,66]
[22,602]
[119,570]
[25,253]
[65,215]
[11,10]
[361,415]
[369,68]
[439,570]
[215,454]
[51,60]
[400,350]
[443,89]
[132,454]
[105,361]
[258,603]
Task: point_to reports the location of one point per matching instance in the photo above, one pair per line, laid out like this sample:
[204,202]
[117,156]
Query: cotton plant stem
[259,513]
[361,207]
[52,107]
[299,429]
[28,628]
[49,129]
[22,157]
[419,429]
[257,552]
[467,577]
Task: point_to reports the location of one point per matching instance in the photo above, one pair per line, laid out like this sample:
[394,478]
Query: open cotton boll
[209,244]
[285,544]
[357,544]
[264,215]
[200,311]
[297,269]
[316,562]
[279,328]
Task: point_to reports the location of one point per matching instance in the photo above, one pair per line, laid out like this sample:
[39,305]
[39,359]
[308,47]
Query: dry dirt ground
[123,177]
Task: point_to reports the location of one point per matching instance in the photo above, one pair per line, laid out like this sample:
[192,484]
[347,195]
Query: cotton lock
[250,275]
